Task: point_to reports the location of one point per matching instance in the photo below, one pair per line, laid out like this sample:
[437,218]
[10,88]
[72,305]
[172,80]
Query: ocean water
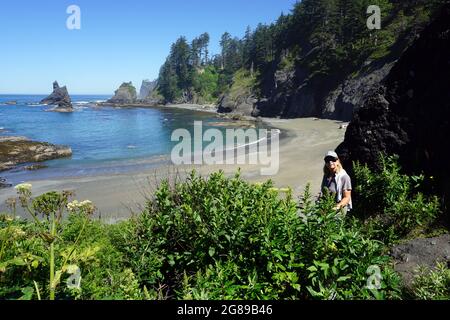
[104,140]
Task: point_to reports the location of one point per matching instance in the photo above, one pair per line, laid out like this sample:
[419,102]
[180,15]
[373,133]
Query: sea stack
[59,97]
[125,94]
[147,88]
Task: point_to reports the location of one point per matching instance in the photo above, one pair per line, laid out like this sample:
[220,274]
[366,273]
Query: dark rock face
[59,97]
[295,93]
[342,102]
[125,94]
[242,104]
[409,115]
[147,88]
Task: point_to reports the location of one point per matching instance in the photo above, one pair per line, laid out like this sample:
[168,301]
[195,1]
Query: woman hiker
[337,182]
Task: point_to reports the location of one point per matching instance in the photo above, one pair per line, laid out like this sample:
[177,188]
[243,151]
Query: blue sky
[118,41]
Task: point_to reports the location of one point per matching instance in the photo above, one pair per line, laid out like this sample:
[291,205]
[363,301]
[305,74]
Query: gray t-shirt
[330,183]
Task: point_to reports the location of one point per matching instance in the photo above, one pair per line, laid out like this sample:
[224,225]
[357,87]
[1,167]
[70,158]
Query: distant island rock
[147,88]
[59,97]
[18,150]
[125,94]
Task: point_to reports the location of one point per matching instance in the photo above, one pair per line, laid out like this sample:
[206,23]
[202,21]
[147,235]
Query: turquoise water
[104,140]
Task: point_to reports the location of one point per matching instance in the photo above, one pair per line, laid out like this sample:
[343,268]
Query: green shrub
[223,238]
[201,222]
[432,284]
[391,200]
[205,84]
[338,257]
[63,246]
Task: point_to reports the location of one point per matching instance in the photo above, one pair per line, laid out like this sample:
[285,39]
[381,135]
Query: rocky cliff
[125,94]
[59,97]
[147,88]
[294,92]
[409,114]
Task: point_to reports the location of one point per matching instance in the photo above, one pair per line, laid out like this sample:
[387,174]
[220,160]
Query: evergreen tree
[167,82]
[179,57]
[204,43]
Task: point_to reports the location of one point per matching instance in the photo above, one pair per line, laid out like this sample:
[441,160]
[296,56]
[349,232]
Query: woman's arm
[345,200]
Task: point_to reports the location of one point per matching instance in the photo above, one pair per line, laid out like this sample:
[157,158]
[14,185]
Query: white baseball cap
[331,154]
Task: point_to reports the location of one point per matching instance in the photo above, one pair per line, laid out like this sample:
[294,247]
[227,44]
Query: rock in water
[147,87]
[59,97]
[4,184]
[125,94]
[17,150]
[410,114]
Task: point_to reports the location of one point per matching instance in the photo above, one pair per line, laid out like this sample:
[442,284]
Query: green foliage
[392,200]
[201,222]
[64,247]
[222,238]
[49,202]
[338,255]
[205,83]
[432,284]
[242,85]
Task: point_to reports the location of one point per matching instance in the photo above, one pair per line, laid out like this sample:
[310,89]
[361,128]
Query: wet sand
[117,196]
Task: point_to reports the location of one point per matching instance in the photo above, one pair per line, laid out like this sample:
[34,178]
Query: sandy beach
[117,196]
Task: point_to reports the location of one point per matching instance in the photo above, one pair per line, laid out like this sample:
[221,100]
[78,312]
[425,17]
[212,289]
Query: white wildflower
[23,187]
[85,205]
[72,206]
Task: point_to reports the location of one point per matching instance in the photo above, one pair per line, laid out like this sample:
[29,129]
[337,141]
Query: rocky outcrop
[342,102]
[125,94]
[412,254]
[291,93]
[4,184]
[242,104]
[410,114]
[59,97]
[18,150]
[294,92]
[240,99]
[147,88]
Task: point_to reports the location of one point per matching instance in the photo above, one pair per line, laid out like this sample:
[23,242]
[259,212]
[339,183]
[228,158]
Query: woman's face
[331,162]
